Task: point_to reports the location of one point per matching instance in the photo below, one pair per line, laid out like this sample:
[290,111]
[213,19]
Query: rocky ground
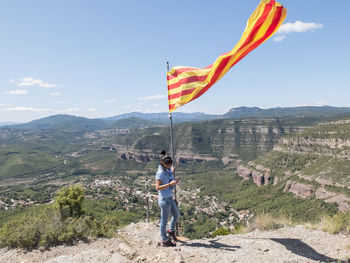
[140,243]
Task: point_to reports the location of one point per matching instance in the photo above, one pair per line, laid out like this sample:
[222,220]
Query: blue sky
[103,58]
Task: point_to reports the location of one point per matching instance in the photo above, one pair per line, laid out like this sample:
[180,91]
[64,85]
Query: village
[136,198]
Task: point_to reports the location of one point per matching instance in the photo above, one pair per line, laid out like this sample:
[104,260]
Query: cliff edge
[140,243]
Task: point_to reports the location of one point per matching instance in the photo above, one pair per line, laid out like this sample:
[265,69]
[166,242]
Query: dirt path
[139,243]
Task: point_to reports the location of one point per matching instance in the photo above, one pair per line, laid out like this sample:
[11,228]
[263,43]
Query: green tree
[69,200]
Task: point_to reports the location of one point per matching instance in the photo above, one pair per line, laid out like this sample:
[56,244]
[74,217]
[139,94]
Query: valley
[230,169]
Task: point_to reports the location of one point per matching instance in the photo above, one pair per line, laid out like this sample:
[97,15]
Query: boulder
[258,178]
[244,172]
[301,190]
[267,178]
[287,187]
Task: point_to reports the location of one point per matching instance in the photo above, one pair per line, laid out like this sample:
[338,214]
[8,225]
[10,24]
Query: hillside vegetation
[316,162]
[289,169]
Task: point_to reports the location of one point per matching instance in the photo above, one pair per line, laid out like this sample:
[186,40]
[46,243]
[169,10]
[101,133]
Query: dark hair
[165,159]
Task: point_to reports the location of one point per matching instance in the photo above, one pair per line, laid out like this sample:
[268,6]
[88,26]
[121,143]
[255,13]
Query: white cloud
[153,97]
[29,109]
[55,94]
[87,103]
[71,110]
[30,81]
[57,102]
[279,38]
[91,110]
[298,27]
[322,103]
[17,92]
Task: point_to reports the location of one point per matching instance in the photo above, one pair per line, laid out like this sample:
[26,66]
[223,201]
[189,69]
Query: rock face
[145,156]
[287,187]
[301,190]
[138,156]
[298,189]
[320,157]
[322,193]
[329,197]
[140,243]
[224,137]
[333,147]
[342,200]
[260,177]
[244,172]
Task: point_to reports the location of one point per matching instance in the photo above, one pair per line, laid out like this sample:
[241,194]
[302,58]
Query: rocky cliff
[312,163]
[246,138]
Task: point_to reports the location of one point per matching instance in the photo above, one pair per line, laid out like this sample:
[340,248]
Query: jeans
[167,206]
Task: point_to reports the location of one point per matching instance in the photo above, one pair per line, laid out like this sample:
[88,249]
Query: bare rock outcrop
[342,201]
[322,193]
[333,147]
[301,190]
[267,178]
[184,157]
[330,197]
[260,176]
[287,186]
[244,172]
[138,156]
[298,189]
[140,243]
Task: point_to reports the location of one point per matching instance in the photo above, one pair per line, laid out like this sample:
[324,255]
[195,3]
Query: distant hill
[133,119]
[132,123]
[63,122]
[305,111]
[241,112]
[7,123]
[163,117]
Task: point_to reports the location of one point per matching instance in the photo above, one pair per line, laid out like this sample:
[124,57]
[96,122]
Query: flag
[187,83]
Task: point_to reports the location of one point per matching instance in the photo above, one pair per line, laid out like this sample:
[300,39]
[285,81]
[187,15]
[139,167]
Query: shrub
[22,233]
[63,222]
[221,231]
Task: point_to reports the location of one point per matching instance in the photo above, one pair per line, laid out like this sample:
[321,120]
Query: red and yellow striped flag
[187,83]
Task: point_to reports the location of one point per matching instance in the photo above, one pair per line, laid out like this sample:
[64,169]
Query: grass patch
[269,222]
[334,224]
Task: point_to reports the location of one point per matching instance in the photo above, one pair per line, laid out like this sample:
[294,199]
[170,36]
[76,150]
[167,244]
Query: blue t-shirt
[166,176]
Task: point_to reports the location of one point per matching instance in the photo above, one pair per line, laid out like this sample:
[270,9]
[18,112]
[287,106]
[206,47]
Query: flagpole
[173,152]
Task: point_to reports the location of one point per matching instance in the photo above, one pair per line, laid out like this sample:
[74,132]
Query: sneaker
[168,244]
[172,235]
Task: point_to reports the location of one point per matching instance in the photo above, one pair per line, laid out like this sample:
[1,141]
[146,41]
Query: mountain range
[70,122]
